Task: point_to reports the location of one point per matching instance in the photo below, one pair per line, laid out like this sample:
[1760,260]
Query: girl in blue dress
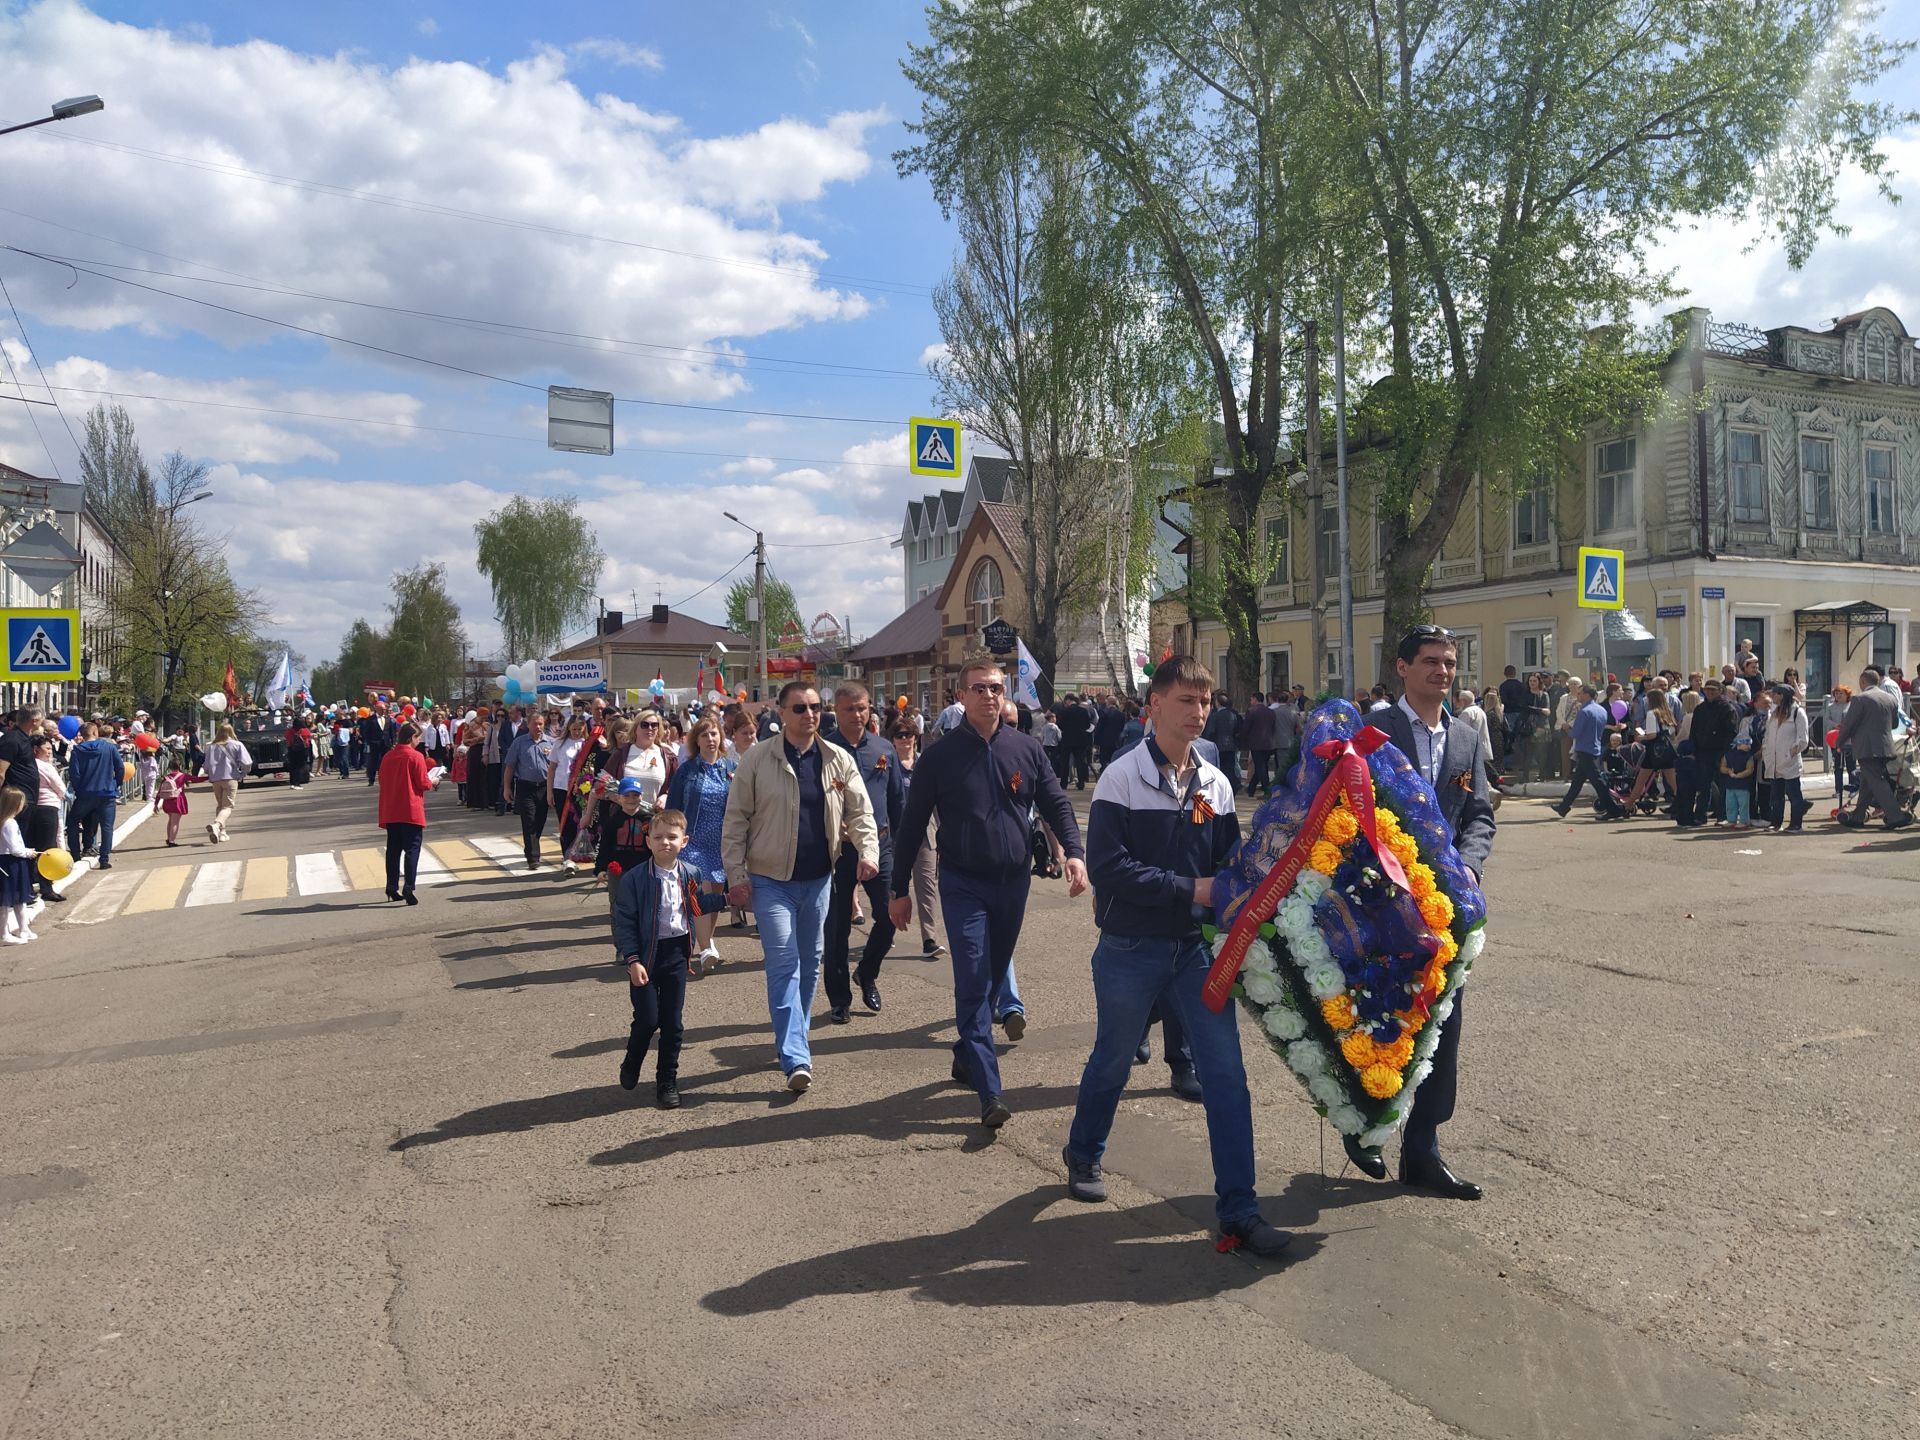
[699,790]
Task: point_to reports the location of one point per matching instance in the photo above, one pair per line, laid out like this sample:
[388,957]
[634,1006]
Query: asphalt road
[318,1165]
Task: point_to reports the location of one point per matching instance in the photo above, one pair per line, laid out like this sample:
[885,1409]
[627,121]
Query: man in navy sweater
[1162,826]
[981,779]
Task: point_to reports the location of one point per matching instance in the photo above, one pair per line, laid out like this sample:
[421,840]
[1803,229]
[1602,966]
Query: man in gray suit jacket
[1867,730]
[1449,754]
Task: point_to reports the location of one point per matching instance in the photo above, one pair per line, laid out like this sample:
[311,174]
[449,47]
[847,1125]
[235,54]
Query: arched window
[984,593]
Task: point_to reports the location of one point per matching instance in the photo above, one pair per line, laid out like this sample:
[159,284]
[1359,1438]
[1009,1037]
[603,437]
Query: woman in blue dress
[699,789]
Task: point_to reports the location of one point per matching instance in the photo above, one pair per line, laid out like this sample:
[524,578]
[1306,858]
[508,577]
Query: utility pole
[1340,482]
[759,596]
[1316,580]
[760,606]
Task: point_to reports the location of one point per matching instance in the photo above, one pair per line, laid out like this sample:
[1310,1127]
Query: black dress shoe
[1144,1053]
[54,897]
[667,1097]
[629,1073]
[393,894]
[1431,1173]
[1257,1237]
[1186,1084]
[1366,1161]
[410,897]
[870,996]
[839,1014]
[994,1113]
[960,1076]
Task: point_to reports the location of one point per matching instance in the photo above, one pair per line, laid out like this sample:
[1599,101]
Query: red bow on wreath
[1346,775]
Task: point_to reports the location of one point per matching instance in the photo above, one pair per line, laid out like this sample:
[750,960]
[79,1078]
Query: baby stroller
[1617,770]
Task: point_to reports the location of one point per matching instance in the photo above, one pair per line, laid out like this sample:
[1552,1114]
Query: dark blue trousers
[983,925]
[1433,1102]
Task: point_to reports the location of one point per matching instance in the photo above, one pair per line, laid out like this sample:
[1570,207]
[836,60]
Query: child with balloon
[17,874]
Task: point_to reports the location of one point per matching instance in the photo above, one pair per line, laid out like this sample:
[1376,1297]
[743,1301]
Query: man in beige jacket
[793,801]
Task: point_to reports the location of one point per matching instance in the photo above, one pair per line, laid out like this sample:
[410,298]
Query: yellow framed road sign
[41,645]
[933,447]
[1602,578]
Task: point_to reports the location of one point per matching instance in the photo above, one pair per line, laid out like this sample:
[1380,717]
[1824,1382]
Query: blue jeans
[1129,976]
[88,813]
[1737,802]
[983,926]
[792,915]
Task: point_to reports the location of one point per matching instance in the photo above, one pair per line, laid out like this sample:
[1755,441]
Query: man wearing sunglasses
[981,780]
[792,803]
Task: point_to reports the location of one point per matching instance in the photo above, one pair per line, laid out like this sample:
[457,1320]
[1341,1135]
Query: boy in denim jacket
[653,909]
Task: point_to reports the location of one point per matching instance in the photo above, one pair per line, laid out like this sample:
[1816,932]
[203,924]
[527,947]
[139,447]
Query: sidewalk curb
[1810,785]
[121,831]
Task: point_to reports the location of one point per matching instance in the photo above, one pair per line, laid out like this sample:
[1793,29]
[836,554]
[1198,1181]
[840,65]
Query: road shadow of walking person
[1034,1249]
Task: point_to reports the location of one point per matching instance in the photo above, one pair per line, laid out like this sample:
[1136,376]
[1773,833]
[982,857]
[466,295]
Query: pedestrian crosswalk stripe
[217,884]
[322,872]
[266,879]
[432,872]
[159,890]
[366,869]
[103,898]
[319,874]
[502,851]
[458,857]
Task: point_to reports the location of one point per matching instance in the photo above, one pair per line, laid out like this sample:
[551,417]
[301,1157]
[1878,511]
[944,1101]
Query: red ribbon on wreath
[1346,775]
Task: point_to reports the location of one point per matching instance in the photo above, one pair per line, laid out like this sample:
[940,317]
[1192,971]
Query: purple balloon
[1619,708]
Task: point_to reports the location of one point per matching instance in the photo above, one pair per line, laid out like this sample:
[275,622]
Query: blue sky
[755,140]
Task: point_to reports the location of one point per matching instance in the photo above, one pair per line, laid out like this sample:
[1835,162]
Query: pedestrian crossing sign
[42,645]
[934,447]
[1602,585]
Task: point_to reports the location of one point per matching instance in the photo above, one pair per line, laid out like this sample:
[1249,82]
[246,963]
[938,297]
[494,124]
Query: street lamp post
[62,110]
[759,598]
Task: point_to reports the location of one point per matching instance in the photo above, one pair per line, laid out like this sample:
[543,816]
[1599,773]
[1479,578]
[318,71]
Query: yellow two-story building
[1775,499]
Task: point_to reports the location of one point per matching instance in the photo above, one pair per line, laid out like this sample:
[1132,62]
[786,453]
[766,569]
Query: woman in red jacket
[404,782]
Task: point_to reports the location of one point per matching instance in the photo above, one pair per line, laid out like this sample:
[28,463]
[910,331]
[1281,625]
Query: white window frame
[1733,483]
[1891,480]
[925,550]
[1266,669]
[1329,532]
[1832,525]
[1611,480]
[1465,640]
[1538,494]
[985,610]
[1518,631]
[1281,575]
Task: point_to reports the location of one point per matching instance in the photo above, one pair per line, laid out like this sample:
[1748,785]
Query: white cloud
[226,420]
[428,26]
[525,145]
[751,465]
[1724,269]
[623,53]
[933,354]
[321,549]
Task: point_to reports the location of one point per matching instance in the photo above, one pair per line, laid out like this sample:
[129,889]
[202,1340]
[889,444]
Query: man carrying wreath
[1162,825]
[1450,757]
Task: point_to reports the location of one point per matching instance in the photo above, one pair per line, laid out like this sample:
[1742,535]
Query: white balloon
[216,701]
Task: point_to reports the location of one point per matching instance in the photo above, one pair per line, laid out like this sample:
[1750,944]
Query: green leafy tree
[362,657]
[783,611]
[119,488]
[425,641]
[1190,122]
[1047,356]
[1486,177]
[177,617]
[543,562]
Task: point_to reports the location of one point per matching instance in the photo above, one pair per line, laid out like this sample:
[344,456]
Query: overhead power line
[121,393]
[428,207]
[717,359]
[467,370]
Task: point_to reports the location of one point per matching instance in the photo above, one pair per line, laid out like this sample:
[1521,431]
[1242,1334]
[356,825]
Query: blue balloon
[69,726]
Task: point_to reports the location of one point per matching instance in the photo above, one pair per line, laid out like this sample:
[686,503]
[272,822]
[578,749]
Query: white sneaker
[11,939]
[213,834]
[28,935]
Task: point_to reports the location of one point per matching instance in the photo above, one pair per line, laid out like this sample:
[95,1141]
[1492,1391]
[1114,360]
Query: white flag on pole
[1026,689]
[281,685]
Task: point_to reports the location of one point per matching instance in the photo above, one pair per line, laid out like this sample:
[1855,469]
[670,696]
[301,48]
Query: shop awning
[1626,638]
[1857,617]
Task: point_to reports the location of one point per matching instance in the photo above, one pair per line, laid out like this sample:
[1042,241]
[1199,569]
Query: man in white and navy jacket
[1162,826]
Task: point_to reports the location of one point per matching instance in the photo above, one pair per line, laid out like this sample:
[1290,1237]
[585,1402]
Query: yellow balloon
[129,771]
[55,864]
